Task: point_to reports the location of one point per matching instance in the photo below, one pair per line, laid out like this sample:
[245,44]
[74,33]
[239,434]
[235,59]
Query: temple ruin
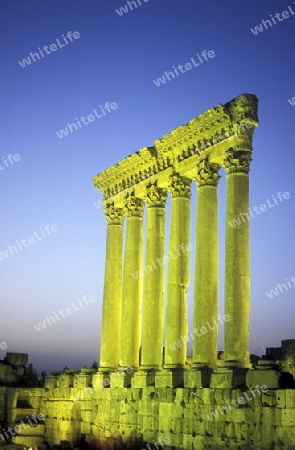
[147,395]
[221,137]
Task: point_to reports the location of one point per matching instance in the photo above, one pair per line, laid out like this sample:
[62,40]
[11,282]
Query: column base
[197,377]
[236,364]
[229,378]
[143,379]
[101,380]
[120,380]
[174,366]
[128,369]
[151,367]
[108,369]
[170,378]
[205,365]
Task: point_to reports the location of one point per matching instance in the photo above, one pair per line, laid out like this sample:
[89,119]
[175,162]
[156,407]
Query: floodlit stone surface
[206,267]
[144,396]
[153,292]
[112,305]
[220,137]
[189,417]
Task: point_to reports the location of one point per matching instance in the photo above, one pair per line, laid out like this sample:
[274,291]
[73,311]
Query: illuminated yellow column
[237,259]
[204,344]
[132,284]
[153,296]
[178,272]
[112,297]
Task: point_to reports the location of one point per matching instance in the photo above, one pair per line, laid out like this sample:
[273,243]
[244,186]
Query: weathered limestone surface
[237,259]
[178,271]
[201,404]
[219,138]
[189,417]
[153,293]
[132,288]
[112,305]
[206,267]
[22,406]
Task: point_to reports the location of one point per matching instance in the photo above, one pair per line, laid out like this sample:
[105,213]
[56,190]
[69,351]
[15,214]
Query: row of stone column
[131,285]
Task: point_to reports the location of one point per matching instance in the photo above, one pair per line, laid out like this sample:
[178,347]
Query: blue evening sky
[116,59]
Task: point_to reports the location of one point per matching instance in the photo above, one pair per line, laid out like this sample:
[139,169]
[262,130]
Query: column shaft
[132,285]
[112,297]
[206,270]
[153,297]
[237,259]
[178,273]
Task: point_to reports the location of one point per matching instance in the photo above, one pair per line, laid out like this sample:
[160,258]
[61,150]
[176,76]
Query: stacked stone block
[22,408]
[78,406]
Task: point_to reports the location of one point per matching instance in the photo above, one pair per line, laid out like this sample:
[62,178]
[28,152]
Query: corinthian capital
[155,196]
[114,216]
[180,186]
[237,161]
[207,173]
[134,206]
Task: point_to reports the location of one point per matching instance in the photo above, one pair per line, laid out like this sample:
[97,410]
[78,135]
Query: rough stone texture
[222,136]
[10,374]
[78,406]
[17,406]
[268,377]
[17,359]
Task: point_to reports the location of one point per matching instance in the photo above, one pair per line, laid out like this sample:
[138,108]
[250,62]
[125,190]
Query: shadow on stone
[286,381]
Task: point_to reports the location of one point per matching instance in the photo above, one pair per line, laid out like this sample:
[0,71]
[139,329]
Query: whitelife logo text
[86,120]
[53,47]
[63,313]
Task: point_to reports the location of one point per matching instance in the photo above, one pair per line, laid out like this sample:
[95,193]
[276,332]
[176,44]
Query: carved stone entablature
[237,161]
[180,186]
[190,138]
[155,197]
[207,173]
[213,132]
[126,173]
[243,140]
[114,216]
[243,109]
[134,206]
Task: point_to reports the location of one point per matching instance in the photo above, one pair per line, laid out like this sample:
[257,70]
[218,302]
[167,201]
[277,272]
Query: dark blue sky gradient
[116,59]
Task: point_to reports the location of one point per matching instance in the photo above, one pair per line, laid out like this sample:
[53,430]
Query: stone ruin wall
[140,408]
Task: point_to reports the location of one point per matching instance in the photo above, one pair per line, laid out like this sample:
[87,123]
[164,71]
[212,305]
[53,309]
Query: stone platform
[179,409]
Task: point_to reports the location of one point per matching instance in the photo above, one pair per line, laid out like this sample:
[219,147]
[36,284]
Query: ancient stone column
[154,270]
[237,258]
[178,272]
[132,284]
[204,336]
[112,297]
